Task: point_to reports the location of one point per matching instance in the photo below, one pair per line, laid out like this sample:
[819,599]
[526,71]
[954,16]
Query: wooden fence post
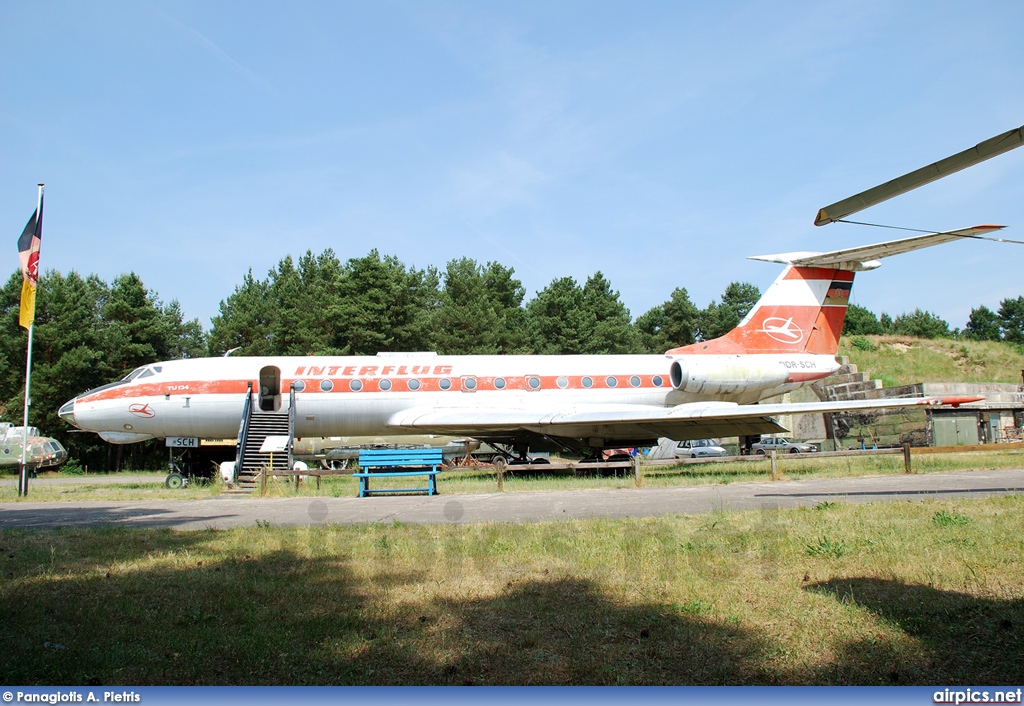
[775,466]
[499,465]
[906,459]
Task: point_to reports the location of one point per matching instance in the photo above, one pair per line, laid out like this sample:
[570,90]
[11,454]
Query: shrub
[863,344]
[72,467]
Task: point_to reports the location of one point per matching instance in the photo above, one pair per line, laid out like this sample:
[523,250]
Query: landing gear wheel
[499,463]
[175,481]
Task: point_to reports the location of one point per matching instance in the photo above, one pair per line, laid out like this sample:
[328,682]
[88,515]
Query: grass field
[891,593]
[900,593]
[904,360]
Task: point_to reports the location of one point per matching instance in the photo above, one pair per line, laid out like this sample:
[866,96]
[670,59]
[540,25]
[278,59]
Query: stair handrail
[243,432]
[291,424]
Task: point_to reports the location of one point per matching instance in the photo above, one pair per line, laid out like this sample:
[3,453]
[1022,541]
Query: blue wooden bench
[385,463]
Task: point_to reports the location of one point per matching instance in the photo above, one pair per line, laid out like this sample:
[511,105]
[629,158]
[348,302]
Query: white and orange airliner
[526,402]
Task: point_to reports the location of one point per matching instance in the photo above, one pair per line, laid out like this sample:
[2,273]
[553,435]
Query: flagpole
[23,475]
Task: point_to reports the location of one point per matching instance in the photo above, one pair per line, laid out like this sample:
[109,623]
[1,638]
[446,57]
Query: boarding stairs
[257,425]
[262,425]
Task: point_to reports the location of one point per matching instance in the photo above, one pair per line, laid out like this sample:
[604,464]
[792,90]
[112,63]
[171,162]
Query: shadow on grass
[58,514]
[125,607]
[967,640]
[285,618]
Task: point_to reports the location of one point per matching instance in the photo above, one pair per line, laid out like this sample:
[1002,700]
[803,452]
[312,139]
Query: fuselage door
[270,389]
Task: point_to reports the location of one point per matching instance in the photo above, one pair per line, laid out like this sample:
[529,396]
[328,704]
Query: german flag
[838,293]
[28,253]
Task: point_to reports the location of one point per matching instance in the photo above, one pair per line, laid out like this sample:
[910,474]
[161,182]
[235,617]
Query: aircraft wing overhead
[686,421]
[1011,139]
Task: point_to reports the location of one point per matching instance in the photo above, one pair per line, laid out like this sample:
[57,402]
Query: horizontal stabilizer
[919,177]
[866,257]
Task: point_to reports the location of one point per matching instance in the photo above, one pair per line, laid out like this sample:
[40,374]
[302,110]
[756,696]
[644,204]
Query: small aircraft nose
[67,412]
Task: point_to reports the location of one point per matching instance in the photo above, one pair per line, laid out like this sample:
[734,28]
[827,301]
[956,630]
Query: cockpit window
[144,372]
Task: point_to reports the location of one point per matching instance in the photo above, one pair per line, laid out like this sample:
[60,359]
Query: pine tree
[983,325]
[480,310]
[611,329]
[245,321]
[669,325]
[558,321]
[1011,319]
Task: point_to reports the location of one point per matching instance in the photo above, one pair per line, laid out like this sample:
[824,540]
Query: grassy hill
[903,360]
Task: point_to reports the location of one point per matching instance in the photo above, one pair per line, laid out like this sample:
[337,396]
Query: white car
[699,448]
[781,445]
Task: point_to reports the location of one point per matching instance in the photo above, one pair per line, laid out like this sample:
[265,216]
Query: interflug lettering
[314,371]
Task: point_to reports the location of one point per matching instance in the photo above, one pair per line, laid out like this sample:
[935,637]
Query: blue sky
[658,142]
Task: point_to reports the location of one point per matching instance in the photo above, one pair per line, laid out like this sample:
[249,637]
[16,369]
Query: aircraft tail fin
[804,309]
[801,312]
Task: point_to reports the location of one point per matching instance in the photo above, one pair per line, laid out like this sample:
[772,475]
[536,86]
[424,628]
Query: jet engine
[717,375]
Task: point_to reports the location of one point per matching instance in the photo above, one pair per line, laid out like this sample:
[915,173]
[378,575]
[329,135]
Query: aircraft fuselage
[361,395]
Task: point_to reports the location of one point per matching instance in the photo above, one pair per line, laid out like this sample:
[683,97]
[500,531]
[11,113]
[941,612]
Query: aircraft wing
[695,420]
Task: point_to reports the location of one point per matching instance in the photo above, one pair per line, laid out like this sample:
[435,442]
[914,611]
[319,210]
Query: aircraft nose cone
[67,412]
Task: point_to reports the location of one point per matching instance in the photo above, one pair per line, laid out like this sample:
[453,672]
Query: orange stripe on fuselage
[341,385]
[175,387]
